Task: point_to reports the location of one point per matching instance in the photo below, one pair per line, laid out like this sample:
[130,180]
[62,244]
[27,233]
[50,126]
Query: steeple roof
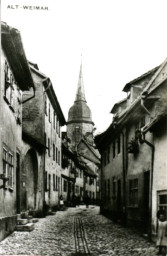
[80,95]
[80,112]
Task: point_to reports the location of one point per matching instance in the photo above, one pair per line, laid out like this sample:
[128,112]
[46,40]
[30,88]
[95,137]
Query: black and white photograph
[83,128]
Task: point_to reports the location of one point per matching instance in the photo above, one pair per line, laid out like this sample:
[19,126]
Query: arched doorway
[31,179]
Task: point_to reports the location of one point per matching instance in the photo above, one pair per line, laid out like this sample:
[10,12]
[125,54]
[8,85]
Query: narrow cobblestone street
[77,231]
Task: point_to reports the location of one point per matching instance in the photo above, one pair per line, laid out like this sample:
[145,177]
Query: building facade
[133,150]
[80,133]
[43,119]
[15,78]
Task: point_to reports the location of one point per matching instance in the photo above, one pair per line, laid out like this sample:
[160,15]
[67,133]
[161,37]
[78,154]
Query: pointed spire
[80,95]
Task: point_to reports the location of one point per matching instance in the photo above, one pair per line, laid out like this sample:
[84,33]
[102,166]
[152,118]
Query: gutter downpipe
[151,171]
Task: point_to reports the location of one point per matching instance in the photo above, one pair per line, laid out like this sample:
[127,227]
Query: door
[119,199]
[18,182]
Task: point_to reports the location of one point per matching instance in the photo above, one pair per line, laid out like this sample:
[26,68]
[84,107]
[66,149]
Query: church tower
[79,122]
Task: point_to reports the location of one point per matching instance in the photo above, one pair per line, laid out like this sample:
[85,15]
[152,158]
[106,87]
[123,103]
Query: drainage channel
[81,245]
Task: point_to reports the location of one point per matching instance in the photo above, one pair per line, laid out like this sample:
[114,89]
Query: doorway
[18,182]
[146,200]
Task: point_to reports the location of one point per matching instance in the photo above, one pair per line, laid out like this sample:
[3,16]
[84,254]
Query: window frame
[8,168]
[161,193]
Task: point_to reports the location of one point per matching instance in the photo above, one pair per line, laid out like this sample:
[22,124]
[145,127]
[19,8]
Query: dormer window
[8,88]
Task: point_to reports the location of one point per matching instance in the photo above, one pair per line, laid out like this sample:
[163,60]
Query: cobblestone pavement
[77,231]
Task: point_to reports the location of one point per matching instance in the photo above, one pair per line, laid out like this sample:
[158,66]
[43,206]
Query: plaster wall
[160,168]
[52,166]
[10,139]
[84,128]
[112,171]
[33,111]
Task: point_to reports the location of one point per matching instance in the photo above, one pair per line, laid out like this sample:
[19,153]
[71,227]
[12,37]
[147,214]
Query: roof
[14,50]
[73,156]
[53,98]
[155,121]
[104,137]
[80,95]
[34,65]
[128,85]
[80,112]
[117,104]
[50,92]
[92,148]
[89,172]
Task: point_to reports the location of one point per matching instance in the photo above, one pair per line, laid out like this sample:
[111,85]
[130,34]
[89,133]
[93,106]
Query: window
[58,183]
[108,155]
[114,187]
[54,120]
[45,138]
[133,192]
[49,114]
[56,155]
[59,157]
[108,188]
[113,148]
[46,181]
[65,186]
[54,152]
[5,163]
[77,134]
[9,80]
[10,170]
[57,124]
[45,98]
[59,130]
[48,147]
[118,145]
[8,167]
[162,200]
[54,183]
[77,189]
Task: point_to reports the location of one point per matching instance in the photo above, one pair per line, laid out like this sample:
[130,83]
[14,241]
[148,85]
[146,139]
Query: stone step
[22,221]
[29,217]
[28,227]
[35,220]
[18,216]
[33,213]
[24,215]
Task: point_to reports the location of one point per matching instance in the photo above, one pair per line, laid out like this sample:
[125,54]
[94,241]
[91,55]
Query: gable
[160,75]
[85,151]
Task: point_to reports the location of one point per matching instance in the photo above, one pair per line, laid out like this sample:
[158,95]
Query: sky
[119,40]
